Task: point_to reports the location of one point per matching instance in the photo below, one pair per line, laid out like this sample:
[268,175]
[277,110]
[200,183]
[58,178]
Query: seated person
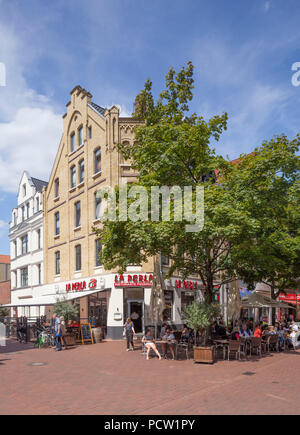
[185,333]
[235,334]
[149,342]
[258,331]
[169,337]
[163,330]
[281,333]
[244,331]
[220,330]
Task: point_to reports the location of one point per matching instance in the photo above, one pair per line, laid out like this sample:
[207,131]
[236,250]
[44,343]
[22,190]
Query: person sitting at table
[163,330]
[257,330]
[245,331]
[235,335]
[220,330]
[185,333]
[169,337]
[149,343]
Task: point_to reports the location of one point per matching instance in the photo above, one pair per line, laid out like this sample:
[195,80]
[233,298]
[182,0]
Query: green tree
[4,311]
[268,183]
[175,148]
[199,317]
[67,310]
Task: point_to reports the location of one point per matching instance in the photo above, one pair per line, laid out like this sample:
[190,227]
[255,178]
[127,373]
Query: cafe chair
[233,348]
[256,344]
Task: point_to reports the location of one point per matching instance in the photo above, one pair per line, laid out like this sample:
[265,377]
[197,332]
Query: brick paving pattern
[104,379]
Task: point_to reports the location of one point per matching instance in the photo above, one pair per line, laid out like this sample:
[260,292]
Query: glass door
[136,313]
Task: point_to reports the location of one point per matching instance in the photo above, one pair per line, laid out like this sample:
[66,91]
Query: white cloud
[30,128]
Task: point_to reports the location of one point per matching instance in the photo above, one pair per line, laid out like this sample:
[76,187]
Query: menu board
[85,333]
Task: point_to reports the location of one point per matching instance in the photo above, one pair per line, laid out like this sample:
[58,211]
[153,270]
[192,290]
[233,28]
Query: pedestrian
[57,332]
[129,332]
[63,330]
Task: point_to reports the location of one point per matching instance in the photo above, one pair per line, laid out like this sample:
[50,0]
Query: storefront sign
[290,298]
[192,285]
[133,280]
[80,286]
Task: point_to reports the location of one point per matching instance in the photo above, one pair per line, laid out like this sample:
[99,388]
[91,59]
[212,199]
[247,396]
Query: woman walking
[129,332]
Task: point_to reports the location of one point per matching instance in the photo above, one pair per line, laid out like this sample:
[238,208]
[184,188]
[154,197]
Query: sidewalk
[105,379]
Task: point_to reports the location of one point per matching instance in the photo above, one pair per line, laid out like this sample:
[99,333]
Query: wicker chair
[256,344]
[234,348]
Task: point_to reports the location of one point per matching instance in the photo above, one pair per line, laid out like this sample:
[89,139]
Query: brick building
[4,279]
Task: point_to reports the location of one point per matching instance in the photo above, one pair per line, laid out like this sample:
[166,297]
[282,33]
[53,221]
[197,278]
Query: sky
[243,52]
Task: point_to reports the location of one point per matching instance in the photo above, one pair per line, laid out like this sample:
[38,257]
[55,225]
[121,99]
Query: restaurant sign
[189,285]
[290,298]
[80,286]
[134,280]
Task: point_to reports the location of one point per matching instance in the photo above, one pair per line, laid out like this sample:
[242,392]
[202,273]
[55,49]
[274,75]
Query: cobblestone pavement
[104,379]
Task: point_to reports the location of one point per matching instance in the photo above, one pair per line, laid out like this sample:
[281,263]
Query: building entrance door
[136,313]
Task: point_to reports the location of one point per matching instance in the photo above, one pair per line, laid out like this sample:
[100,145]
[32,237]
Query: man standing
[57,331]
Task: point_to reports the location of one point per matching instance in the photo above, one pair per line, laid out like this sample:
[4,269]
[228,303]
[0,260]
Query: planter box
[70,339]
[204,354]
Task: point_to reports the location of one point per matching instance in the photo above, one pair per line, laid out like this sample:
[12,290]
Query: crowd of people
[286,330]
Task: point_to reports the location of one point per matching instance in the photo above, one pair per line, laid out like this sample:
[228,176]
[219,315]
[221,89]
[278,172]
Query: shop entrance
[136,312]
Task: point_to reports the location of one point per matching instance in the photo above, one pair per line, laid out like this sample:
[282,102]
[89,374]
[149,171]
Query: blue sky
[242,51]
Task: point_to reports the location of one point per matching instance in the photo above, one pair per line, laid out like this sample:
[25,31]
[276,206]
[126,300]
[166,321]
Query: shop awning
[51,299]
[256,300]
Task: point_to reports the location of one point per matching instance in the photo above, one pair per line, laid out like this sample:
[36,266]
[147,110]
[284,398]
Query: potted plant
[70,312]
[199,316]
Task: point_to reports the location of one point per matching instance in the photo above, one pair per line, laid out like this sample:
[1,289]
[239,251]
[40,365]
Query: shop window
[165,260]
[186,299]
[78,257]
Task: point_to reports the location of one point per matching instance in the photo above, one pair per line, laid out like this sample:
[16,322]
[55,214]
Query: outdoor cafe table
[165,342]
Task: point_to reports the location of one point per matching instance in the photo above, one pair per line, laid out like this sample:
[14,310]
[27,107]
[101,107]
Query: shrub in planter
[199,316]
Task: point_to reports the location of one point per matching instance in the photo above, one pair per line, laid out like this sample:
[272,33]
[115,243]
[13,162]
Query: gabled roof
[39,184]
[97,108]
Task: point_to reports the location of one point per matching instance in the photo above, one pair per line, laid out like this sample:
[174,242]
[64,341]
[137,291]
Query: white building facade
[26,246]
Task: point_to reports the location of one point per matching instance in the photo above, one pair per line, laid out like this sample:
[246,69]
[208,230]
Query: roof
[97,108]
[39,184]
[5,259]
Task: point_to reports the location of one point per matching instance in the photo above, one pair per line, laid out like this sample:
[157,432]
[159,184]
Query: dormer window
[24,189]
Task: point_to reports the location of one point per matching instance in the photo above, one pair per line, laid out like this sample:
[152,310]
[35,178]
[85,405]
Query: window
[81,171]
[15,248]
[57,262]
[39,274]
[97,160]
[165,260]
[98,250]
[73,176]
[78,257]
[27,210]
[97,205]
[24,244]
[72,142]
[24,189]
[80,136]
[90,132]
[15,218]
[38,239]
[37,204]
[56,187]
[24,277]
[23,213]
[57,226]
[169,300]
[77,214]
